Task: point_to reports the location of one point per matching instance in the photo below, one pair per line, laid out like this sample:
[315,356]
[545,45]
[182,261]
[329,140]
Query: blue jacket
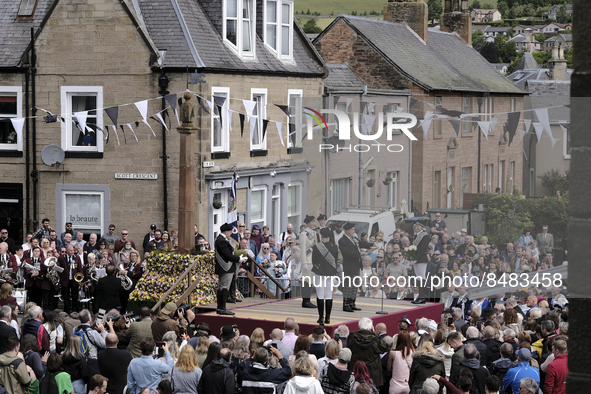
[520,371]
[260,379]
[147,372]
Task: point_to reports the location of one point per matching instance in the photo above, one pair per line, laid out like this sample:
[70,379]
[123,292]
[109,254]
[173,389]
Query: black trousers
[34,294]
[70,296]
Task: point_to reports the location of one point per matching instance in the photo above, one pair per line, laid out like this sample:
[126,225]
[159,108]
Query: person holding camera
[171,319]
[258,377]
[94,336]
[139,330]
[146,371]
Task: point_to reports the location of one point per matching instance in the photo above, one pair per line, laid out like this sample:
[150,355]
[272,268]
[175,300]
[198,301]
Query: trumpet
[54,271]
[79,277]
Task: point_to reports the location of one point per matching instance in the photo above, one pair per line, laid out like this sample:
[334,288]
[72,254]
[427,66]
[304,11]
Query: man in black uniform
[225,266]
[349,246]
[324,266]
[422,243]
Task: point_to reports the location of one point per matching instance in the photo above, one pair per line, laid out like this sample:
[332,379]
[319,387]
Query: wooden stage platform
[269,314]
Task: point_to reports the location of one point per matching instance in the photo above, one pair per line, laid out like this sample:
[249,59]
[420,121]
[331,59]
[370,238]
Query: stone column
[187,168]
[578,379]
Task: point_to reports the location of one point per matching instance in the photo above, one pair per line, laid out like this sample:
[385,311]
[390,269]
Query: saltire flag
[232,213]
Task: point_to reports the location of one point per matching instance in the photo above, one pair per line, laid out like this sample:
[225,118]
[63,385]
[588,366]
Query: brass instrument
[79,277]
[54,271]
[92,275]
[126,282]
[30,268]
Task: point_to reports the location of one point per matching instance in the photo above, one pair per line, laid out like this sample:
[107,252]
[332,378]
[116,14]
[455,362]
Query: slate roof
[341,77]
[497,29]
[445,63]
[165,29]
[527,62]
[522,38]
[565,37]
[15,35]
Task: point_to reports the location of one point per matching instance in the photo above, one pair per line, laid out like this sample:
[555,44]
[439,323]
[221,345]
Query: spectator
[98,385]
[426,362]
[304,380]
[399,362]
[213,353]
[75,365]
[361,375]
[317,346]
[555,382]
[472,363]
[332,351]
[493,346]
[164,322]
[34,326]
[201,350]
[217,377]
[55,376]
[145,371]
[6,331]
[138,331]
[521,370]
[500,367]
[95,339]
[44,231]
[473,338]
[336,378]
[343,332]
[366,346]
[528,386]
[113,364]
[120,244]
[15,375]
[492,385]
[289,338]
[30,351]
[276,338]
[303,343]
[186,374]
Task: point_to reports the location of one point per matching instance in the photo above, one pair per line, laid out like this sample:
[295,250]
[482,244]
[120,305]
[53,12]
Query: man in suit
[308,238]
[545,241]
[349,247]
[133,269]
[108,290]
[71,265]
[422,243]
[7,260]
[6,330]
[32,277]
[139,330]
[462,301]
[225,266]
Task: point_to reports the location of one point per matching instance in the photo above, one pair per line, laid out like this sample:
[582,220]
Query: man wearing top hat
[349,246]
[324,265]
[308,238]
[422,243]
[322,224]
[225,266]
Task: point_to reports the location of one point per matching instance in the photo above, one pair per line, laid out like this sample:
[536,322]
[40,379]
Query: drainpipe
[27,157]
[34,173]
[163,84]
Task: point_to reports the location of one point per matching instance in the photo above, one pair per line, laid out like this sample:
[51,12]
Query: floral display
[164,268]
[410,253]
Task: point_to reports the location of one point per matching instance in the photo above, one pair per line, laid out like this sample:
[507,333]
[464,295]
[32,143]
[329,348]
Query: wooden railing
[187,294]
[250,274]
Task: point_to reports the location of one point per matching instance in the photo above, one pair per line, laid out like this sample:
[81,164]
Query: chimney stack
[456,19]
[557,64]
[412,12]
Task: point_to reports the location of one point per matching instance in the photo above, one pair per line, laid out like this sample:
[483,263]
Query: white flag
[81,117]
[142,106]
[279,124]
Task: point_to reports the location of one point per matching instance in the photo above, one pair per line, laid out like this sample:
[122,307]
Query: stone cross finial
[188,111]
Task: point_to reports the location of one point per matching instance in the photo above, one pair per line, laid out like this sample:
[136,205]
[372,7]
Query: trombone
[79,278]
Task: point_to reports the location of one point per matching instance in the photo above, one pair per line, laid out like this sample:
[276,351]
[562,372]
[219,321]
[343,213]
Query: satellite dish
[52,155]
[336,142]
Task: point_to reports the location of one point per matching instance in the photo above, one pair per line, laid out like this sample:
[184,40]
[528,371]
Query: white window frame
[296,118]
[565,143]
[66,94]
[82,228]
[333,196]
[261,222]
[261,115]
[225,131]
[278,25]
[222,212]
[9,91]
[238,48]
[299,187]
[392,190]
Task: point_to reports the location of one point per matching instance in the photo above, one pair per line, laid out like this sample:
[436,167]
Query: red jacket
[39,280]
[555,382]
[64,262]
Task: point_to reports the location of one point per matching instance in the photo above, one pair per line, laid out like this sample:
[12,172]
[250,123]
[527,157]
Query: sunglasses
[436,254]
[124,233]
[242,226]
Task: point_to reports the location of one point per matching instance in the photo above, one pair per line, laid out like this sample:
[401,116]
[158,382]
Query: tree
[475,4]
[311,27]
[489,52]
[562,16]
[542,57]
[502,7]
[555,181]
[510,14]
[435,9]
[478,40]
[568,55]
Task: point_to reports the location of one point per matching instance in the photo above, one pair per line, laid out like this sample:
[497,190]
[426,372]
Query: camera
[133,319]
[100,316]
[337,337]
[183,307]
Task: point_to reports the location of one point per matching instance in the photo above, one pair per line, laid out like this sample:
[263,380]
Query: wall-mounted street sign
[130,175]
[208,164]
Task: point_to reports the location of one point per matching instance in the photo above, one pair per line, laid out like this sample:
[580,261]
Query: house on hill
[485,16]
[445,79]
[564,41]
[526,42]
[491,32]
[555,9]
[115,53]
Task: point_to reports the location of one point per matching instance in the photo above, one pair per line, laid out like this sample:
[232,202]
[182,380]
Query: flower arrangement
[387,181]
[164,268]
[410,253]
[370,182]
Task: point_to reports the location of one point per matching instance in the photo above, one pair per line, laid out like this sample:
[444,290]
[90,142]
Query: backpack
[14,365]
[85,342]
[48,385]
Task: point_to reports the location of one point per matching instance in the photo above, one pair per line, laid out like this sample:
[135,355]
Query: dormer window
[279,27]
[239,19]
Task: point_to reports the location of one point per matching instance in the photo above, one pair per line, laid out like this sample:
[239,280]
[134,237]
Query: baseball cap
[523,354]
[169,308]
[152,227]
[345,355]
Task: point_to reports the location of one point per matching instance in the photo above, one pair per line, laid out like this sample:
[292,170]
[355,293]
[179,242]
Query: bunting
[81,118]
[265,124]
[512,123]
[278,125]
[142,106]
[426,123]
[116,135]
[522,134]
[485,127]
[241,116]
[539,128]
[162,121]
[203,107]
[113,113]
[132,132]
[18,123]
[456,125]
[284,108]
[249,107]
[171,100]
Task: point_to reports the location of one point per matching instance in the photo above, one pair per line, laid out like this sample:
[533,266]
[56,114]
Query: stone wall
[458,22]
[412,12]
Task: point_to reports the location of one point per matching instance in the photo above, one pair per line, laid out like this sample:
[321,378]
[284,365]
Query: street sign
[208,164]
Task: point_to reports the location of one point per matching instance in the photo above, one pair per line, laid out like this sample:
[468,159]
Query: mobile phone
[479,326]
[273,345]
[337,337]
[159,343]
[450,321]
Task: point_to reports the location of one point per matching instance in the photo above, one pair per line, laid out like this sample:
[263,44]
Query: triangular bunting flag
[241,116]
[265,124]
[527,123]
[426,123]
[413,101]
[370,107]
[171,99]
[249,106]
[219,101]
[142,106]
[456,125]
[336,99]
[116,135]
[113,113]
[522,134]
[284,108]
[162,121]
[81,117]
[279,124]
[349,101]
[210,104]
[203,107]
[18,123]
[542,114]
[485,127]
[148,124]
[493,123]
[539,128]
[133,132]
[124,137]
[512,123]
[366,128]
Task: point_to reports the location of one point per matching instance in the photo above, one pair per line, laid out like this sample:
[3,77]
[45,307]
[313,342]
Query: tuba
[54,271]
[92,274]
[126,282]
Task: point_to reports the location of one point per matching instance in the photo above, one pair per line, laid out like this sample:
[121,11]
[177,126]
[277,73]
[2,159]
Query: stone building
[480,15]
[443,76]
[98,54]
